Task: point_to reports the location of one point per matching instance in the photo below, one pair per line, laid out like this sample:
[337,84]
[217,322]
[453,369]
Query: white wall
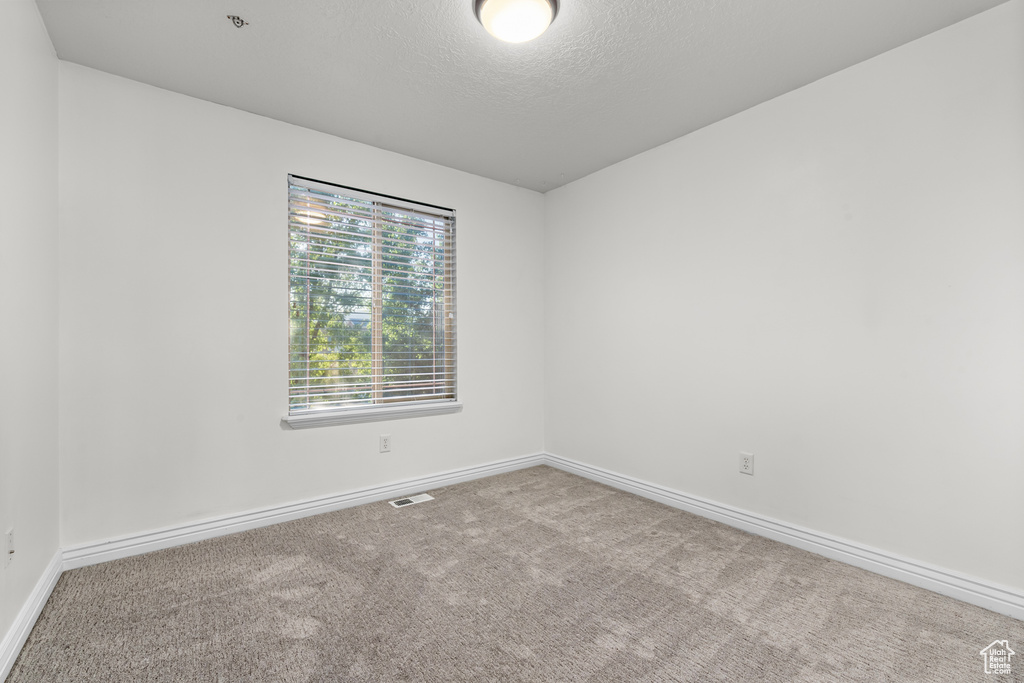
[173,243]
[833,280]
[28,302]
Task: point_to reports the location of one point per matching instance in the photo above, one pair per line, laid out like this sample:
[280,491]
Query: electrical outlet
[9,548]
[385,443]
[747,463]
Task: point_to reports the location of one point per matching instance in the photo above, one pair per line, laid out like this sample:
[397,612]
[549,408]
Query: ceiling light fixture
[515,21]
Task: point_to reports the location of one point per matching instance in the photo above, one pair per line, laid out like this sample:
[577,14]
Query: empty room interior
[726,381]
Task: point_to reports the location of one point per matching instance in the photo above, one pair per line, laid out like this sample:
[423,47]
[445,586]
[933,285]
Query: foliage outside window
[372,300]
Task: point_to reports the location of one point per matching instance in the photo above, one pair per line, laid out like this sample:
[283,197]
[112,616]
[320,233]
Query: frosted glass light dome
[516,21]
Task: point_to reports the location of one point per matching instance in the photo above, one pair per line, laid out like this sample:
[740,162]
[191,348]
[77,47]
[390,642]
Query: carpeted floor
[535,575]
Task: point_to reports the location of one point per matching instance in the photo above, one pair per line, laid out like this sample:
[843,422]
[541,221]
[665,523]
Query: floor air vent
[412,500]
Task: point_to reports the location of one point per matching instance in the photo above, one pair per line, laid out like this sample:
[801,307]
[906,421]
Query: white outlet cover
[747,463]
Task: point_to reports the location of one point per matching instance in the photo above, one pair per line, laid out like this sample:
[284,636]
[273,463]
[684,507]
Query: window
[371,307]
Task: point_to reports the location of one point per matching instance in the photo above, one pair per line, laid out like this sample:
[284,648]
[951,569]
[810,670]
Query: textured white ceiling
[609,79]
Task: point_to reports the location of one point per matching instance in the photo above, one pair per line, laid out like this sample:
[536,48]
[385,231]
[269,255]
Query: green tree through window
[372,299]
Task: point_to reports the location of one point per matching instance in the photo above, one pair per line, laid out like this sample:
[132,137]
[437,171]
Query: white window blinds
[372,299]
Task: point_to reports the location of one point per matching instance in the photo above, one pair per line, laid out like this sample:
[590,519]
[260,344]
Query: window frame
[381,408]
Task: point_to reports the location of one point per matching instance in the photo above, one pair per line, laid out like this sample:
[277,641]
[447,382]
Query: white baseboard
[972,590]
[26,619]
[137,544]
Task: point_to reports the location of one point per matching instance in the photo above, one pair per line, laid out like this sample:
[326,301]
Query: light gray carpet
[535,575]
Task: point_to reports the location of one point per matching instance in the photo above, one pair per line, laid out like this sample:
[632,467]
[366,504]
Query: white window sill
[328,418]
